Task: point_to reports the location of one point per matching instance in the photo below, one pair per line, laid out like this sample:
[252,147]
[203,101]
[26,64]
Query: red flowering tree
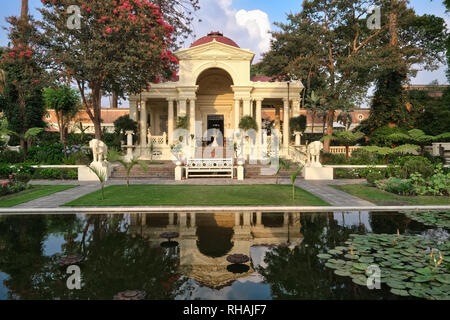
[118,46]
[24,78]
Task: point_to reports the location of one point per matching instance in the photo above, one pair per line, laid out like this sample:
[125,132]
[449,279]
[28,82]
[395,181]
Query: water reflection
[126,252]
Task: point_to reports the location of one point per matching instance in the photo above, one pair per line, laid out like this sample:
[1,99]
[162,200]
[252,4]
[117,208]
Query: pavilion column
[286,124]
[192,117]
[182,221]
[170,122]
[258,116]
[237,219]
[258,218]
[134,110]
[181,112]
[247,105]
[171,218]
[143,124]
[144,219]
[277,117]
[296,108]
[247,218]
[237,113]
[285,219]
[193,222]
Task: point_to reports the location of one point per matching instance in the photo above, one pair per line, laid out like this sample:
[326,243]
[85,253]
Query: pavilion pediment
[215,51]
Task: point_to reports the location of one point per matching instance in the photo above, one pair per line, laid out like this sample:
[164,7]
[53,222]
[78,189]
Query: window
[360,117]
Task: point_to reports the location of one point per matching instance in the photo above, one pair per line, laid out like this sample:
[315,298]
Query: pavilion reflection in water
[206,239]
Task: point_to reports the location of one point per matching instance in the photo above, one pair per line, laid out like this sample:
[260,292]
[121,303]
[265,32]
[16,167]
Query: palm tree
[347,138]
[282,165]
[101,175]
[293,178]
[128,166]
[114,155]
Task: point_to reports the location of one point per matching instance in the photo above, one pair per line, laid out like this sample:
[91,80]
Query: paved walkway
[331,195]
[320,189]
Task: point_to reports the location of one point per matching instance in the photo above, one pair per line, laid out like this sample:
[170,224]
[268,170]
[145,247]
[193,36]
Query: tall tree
[64,101]
[24,10]
[109,50]
[411,41]
[24,79]
[329,46]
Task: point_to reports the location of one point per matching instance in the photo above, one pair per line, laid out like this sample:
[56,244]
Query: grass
[383,198]
[35,192]
[193,195]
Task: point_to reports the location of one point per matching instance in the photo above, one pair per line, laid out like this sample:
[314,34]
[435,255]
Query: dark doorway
[215,122]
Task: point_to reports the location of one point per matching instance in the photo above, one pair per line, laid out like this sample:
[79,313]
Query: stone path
[58,199]
[320,189]
[334,197]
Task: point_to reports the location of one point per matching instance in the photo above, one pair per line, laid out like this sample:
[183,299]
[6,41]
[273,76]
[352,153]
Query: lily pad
[403,293]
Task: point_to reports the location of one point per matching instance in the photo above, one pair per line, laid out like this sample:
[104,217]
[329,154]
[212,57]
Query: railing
[341,150]
[158,140]
[209,163]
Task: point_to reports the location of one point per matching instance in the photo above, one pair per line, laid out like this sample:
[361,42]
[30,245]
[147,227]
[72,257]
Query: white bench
[206,168]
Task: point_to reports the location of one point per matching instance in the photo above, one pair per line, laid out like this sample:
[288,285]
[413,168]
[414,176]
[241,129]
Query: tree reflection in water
[299,274]
[114,259]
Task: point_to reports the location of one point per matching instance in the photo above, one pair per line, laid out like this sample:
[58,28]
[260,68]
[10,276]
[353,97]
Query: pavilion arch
[219,65]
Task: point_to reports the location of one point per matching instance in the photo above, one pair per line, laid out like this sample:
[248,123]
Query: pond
[184,255]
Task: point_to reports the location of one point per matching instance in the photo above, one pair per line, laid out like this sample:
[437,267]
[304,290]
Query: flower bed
[436,185]
[12,185]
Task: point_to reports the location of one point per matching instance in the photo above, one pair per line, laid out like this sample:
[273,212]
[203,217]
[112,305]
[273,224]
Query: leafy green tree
[386,151]
[248,123]
[347,138]
[298,124]
[411,41]
[329,47]
[116,41]
[24,78]
[417,137]
[65,102]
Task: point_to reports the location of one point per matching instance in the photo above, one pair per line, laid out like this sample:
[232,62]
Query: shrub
[330,158]
[5,170]
[364,157]
[373,177]
[412,164]
[396,185]
[11,157]
[55,174]
[437,185]
[46,154]
[11,185]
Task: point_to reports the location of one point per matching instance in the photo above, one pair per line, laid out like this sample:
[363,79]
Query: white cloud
[249,29]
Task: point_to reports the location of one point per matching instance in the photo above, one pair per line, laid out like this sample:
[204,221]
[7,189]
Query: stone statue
[313,152]
[99,150]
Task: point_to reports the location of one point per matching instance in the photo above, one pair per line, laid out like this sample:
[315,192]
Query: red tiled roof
[215,36]
[261,79]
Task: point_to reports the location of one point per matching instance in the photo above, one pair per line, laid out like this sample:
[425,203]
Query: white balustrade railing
[158,140]
[341,150]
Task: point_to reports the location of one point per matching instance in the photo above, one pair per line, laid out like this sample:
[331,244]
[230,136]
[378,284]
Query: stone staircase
[160,171]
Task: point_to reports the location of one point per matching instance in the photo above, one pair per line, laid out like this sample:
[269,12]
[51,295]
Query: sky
[248,23]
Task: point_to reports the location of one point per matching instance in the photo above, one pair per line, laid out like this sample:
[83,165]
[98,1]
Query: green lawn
[33,193]
[383,198]
[193,195]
